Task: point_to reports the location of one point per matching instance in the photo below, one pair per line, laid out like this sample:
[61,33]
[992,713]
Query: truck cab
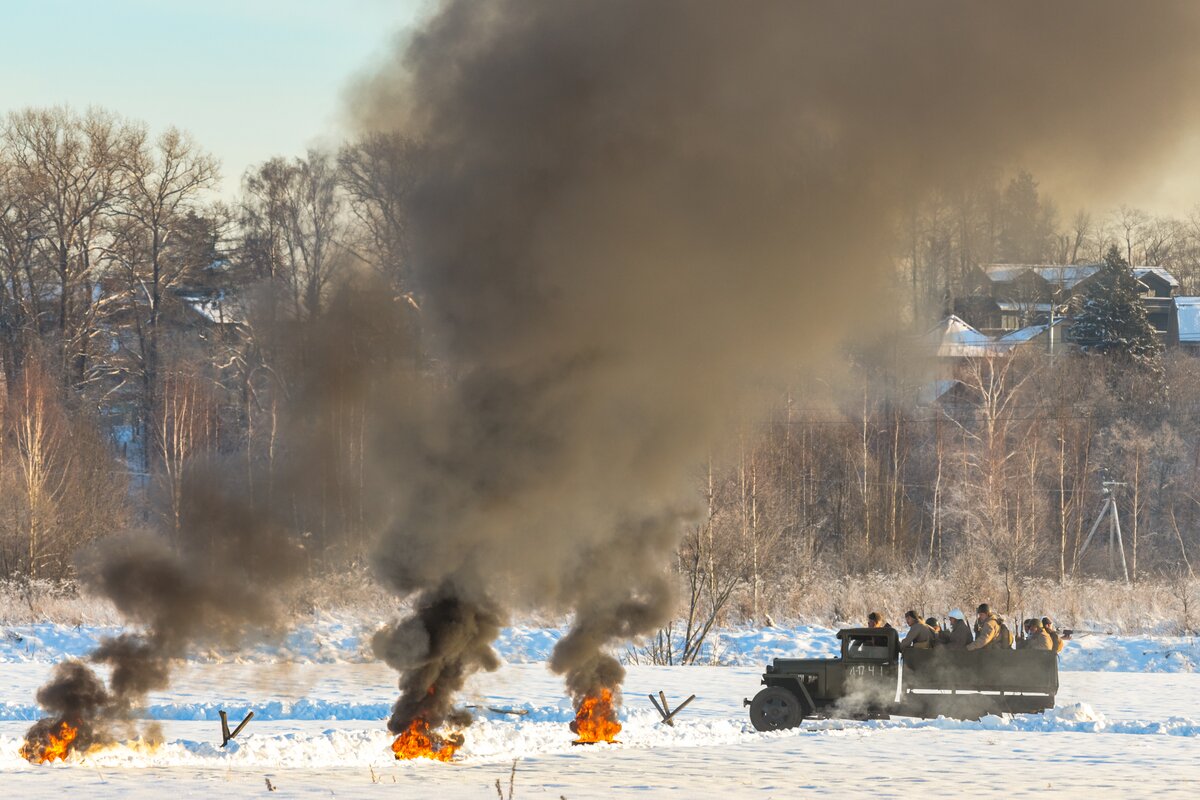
[860,683]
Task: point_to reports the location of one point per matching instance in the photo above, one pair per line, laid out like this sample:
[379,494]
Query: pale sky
[249,79]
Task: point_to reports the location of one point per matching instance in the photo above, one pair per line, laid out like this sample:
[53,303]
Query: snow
[1064,276]
[331,639]
[1023,307]
[1125,723]
[954,338]
[1028,333]
[1168,278]
[1108,730]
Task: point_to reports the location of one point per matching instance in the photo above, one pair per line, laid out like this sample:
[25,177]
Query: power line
[977,415]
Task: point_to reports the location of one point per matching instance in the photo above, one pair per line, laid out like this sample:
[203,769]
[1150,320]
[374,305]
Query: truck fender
[797,687]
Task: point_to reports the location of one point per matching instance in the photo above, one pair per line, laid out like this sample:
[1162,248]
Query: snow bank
[330,638]
[500,739]
[1074,718]
[1132,654]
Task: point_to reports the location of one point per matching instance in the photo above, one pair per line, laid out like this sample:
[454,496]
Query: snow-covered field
[1126,724]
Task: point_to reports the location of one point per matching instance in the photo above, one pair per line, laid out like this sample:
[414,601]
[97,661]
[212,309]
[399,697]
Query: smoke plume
[221,578]
[628,213]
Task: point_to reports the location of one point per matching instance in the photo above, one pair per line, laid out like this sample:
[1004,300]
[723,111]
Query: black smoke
[631,212]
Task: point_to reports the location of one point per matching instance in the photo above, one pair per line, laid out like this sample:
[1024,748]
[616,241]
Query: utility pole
[1114,528]
[1050,327]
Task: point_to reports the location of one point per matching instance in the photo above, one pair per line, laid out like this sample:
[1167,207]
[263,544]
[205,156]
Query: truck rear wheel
[775,708]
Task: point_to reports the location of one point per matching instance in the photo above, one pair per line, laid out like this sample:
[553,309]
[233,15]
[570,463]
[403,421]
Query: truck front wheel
[775,708]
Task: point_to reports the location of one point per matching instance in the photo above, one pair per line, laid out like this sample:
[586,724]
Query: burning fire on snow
[53,745]
[596,719]
[420,742]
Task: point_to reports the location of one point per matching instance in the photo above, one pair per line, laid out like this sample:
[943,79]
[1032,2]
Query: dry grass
[1158,605]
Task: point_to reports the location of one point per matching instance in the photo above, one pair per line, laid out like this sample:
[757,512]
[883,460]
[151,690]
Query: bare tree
[995,433]
[24,283]
[379,172]
[1132,225]
[166,182]
[184,427]
[1081,229]
[38,432]
[295,212]
[72,167]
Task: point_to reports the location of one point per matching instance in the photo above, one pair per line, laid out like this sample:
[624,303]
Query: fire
[596,719]
[55,746]
[420,742]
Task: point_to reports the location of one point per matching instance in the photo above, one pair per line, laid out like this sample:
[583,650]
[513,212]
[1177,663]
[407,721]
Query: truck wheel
[775,708]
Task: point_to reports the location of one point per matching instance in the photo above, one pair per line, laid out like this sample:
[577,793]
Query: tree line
[991,219]
[146,323]
[143,317]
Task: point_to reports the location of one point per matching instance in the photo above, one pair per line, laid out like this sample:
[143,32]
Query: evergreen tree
[1110,318]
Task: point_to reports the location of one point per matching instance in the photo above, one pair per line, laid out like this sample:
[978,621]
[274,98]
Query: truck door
[869,659]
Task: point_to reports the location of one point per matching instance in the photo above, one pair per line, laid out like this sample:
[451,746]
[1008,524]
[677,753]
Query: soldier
[987,629]
[934,626]
[919,635]
[959,634]
[1036,637]
[1055,638]
[876,620]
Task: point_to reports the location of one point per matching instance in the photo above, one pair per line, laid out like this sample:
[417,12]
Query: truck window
[867,647]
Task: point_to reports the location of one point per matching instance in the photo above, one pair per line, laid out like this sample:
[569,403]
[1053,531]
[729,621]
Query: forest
[149,322]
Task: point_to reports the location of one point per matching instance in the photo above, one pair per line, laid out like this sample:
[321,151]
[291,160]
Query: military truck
[870,680]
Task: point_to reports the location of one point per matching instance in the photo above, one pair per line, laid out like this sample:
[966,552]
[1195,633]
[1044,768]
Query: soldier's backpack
[1004,638]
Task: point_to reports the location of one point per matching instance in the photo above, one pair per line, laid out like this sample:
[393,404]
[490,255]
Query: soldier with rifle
[1036,637]
[919,635]
[958,635]
[1058,640]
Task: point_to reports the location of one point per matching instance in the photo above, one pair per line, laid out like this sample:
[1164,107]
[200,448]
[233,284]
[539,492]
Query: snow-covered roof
[220,312]
[1005,273]
[1027,334]
[1187,318]
[954,338]
[1066,276]
[1013,305]
[1141,272]
[218,307]
[1024,334]
[934,391]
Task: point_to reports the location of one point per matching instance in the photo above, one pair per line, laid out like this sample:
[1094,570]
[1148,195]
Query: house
[952,342]
[1185,323]
[1007,297]
[945,348]
[1044,336]
[1002,298]
[953,338]
[1158,297]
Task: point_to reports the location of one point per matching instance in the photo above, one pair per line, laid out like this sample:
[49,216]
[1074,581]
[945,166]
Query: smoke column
[234,558]
[630,211]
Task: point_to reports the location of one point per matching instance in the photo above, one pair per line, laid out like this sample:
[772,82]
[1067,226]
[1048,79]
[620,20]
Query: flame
[596,719]
[56,746]
[420,742]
